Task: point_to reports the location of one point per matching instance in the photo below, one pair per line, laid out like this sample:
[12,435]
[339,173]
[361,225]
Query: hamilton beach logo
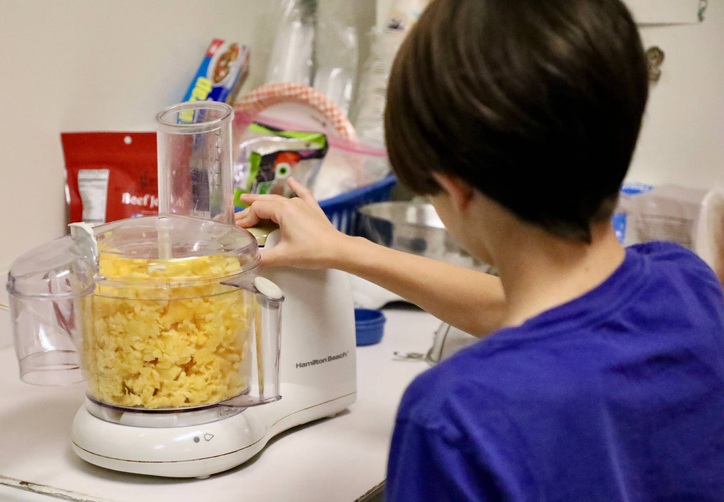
[327,359]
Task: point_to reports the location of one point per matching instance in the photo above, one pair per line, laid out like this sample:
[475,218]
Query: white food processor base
[194,451]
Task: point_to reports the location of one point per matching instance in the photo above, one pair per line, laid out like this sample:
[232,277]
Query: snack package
[221,74]
[269,155]
[347,164]
[110,175]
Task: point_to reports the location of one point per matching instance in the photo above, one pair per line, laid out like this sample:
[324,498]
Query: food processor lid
[170,237]
[68,266]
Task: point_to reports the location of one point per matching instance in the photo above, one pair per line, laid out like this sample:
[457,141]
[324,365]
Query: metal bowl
[415,228]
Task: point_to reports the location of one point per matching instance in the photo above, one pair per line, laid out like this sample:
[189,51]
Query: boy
[601,371]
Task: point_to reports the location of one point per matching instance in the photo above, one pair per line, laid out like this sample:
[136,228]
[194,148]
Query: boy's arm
[469,300]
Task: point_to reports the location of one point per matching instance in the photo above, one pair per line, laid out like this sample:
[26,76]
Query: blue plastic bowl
[370,325]
[342,209]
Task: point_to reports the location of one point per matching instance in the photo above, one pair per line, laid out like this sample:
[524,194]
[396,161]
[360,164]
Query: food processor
[161,316]
[192,358]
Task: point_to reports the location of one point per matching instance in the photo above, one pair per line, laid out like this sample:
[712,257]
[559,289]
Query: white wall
[682,140]
[110,65]
[101,65]
[91,65]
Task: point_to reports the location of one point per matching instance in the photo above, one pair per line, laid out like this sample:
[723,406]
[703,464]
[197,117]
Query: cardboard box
[221,73]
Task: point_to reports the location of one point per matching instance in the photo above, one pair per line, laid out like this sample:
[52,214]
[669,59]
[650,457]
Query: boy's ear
[460,192]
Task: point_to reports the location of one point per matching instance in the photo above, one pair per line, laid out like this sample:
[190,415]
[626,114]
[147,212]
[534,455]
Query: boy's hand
[308,238]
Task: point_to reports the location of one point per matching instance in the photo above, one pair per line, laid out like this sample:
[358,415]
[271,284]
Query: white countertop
[337,459]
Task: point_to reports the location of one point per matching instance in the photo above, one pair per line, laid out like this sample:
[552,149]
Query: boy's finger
[304,194]
[248,198]
[262,209]
[269,256]
[246,218]
[300,190]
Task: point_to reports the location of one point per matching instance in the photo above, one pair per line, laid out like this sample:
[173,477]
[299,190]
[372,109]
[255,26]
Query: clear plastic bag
[269,155]
[316,45]
[347,164]
[368,110]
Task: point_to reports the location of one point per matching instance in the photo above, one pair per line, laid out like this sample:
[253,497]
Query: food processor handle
[267,334]
[268,338]
[48,294]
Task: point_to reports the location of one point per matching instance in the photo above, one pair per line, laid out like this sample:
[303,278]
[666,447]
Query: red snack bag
[110,175]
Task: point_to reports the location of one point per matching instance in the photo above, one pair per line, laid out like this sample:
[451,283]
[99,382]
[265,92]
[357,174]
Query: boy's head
[535,103]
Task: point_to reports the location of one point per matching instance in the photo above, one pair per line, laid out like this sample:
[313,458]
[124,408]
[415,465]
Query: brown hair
[535,103]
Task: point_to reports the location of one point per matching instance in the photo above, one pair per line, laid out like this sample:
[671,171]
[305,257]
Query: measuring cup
[195,175]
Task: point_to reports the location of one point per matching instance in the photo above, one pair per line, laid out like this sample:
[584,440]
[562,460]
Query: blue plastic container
[342,209]
[370,324]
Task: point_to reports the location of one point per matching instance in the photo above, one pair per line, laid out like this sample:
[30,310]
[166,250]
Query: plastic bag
[367,113]
[347,165]
[316,45]
[270,155]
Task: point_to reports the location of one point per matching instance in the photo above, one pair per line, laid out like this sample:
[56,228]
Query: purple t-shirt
[616,395]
